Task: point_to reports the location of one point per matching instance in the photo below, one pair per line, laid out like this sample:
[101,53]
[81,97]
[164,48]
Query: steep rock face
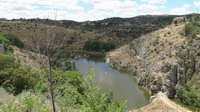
[160,59]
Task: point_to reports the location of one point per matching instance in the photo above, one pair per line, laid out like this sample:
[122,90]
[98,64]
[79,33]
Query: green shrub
[7,61]
[71,91]
[14,40]
[170,43]
[188,95]
[16,80]
[74,91]
[93,100]
[96,45]
[193,28]
[26,102]
[6,43]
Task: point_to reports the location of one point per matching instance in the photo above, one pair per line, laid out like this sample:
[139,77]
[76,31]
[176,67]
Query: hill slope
[163,57]
[119,30]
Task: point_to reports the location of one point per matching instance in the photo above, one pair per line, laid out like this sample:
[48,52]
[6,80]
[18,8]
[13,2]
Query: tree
[49,45]
[96,45]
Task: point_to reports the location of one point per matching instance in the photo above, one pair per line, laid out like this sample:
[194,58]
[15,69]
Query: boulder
[179,20]
[2,48]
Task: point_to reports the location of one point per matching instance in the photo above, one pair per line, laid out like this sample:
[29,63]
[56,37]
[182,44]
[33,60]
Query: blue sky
[83,10]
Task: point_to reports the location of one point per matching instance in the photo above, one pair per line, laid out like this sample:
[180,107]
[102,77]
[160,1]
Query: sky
[84,10]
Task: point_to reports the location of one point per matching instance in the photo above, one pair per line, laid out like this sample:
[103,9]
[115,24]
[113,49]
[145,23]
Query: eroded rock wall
[161,58]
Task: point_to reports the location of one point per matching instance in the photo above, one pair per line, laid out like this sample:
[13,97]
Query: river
[122,85]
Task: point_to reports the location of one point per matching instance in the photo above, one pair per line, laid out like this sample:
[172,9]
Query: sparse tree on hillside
[49,45]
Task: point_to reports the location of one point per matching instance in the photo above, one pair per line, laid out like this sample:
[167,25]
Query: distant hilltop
[3,19]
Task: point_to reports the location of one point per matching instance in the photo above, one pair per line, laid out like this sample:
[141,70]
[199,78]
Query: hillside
[148,54]
[166,58]
[119,30]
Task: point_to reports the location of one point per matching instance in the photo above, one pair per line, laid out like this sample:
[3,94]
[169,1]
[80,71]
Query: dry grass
[5,97]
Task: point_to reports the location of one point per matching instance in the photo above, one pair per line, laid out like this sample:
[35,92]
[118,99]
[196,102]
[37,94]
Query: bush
[17,80]
[193,28]
[74,91]
[170,43]
[188,95]
[26,102]
[14,40]
[71,90]
[93,100]
[7,61]
[6,43]
[96,45]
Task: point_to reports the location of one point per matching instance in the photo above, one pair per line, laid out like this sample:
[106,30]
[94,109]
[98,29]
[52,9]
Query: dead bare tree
[47,41]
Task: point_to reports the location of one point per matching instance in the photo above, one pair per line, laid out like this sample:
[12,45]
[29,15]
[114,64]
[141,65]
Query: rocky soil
[28,58]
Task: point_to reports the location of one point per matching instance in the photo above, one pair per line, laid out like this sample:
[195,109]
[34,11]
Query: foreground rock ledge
[160,103]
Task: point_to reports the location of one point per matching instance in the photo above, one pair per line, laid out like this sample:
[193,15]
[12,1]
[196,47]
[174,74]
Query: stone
[2,48]
[166,68]
[179,20]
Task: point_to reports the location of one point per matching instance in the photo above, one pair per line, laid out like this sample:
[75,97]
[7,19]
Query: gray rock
[2,50]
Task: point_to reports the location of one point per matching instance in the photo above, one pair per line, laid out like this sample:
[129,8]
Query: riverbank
[84,53]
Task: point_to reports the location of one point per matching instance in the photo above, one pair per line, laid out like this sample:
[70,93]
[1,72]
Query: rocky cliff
[162,58]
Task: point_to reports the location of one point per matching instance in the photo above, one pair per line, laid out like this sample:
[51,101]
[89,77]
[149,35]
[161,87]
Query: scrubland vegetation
[26,89]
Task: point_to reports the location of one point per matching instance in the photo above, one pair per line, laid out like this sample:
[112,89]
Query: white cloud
[197,4]
[181,10]
[162,7]
[111,8]
[186,6]
[155,1]
[37,8]
[59,4]
[114,5]
[147,7]
[92,1]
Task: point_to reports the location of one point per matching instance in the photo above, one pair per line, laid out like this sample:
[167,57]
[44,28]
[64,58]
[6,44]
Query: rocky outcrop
[179,20]
[160,103]
[161,58]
